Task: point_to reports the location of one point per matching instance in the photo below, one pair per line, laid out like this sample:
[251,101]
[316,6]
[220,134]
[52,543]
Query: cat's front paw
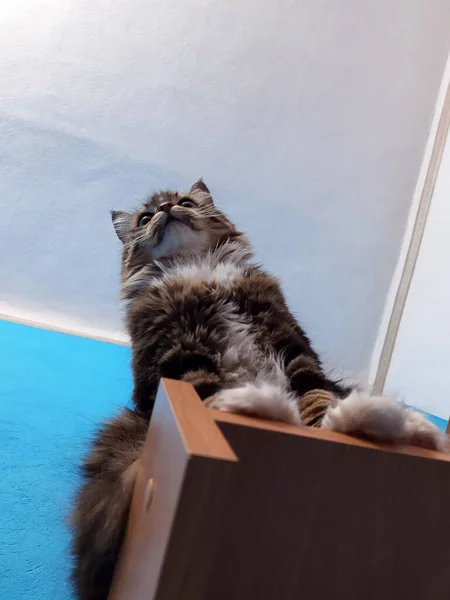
[419,431]
[265,401]
[382,419]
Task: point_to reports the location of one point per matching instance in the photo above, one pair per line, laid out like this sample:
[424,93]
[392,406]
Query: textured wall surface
[307,119]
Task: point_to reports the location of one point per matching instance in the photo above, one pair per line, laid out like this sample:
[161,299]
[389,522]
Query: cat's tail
[101,507]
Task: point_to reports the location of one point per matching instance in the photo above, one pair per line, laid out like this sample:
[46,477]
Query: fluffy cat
[199,310]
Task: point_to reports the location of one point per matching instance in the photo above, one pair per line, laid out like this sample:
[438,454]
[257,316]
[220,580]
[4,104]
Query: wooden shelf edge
[202,436]
[198,429]
[325,435]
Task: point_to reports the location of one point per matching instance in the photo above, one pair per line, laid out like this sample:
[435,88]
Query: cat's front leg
[382,419]
[264,401]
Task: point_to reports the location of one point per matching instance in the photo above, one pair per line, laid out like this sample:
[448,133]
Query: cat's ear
[121,221]
[200,190]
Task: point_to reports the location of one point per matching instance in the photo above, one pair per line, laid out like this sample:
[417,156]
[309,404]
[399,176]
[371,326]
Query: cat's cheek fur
[382,419]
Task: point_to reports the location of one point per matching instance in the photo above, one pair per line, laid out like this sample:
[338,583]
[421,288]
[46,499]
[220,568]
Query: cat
[198,309]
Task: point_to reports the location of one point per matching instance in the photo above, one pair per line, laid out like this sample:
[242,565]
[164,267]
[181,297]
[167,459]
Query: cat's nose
[165,207]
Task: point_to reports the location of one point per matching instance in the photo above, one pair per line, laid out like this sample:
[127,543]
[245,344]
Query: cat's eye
[187,203]
[145,219]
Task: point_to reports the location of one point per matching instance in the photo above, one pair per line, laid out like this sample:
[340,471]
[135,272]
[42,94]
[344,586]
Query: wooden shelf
[241,509]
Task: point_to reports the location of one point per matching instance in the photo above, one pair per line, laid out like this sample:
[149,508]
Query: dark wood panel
[300,513]
[307,518]
[326,436]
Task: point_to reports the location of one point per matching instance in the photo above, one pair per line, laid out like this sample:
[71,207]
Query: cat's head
[171,223]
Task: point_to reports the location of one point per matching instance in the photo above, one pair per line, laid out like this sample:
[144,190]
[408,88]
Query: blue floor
[54,390]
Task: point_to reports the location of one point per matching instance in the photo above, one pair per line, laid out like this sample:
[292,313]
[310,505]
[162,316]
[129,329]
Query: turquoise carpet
[54,390]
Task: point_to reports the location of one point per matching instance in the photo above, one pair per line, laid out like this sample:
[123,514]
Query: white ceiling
[307,119]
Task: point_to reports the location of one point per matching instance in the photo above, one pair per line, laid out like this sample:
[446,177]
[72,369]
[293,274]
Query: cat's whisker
[210,209]
[137,240]
[200,214]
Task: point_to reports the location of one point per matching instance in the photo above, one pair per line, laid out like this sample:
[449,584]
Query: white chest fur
[222,273]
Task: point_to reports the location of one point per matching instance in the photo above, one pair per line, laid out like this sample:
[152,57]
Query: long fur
[102,504]
[199,310]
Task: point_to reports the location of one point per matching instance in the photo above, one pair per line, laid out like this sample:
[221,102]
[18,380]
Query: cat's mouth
[164,221]
[179,215]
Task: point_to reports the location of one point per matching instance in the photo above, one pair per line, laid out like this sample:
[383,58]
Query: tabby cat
[199,310]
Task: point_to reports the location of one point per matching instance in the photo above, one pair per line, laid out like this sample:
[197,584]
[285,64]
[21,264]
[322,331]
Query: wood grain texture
[302,513]
[188,459]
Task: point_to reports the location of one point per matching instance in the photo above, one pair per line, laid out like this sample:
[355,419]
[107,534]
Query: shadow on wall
[55,226]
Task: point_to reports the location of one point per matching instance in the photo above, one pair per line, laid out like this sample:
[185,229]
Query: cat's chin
[180,238]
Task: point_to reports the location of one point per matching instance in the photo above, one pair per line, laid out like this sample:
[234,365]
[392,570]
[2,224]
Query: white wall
[308,119]
[420,364]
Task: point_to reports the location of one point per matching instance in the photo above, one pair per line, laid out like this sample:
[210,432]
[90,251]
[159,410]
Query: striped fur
[199,310]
